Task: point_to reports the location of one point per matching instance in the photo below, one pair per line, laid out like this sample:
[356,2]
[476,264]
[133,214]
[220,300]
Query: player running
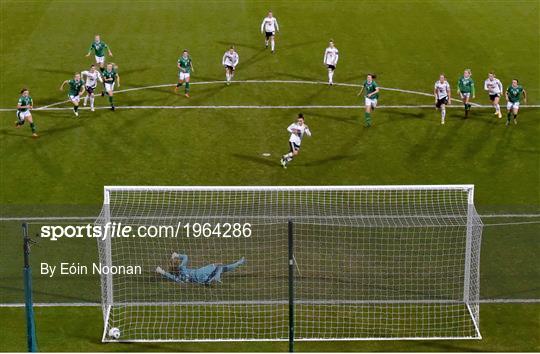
[269,26]
[465,89]
[370,97]
[494,88]
[229,61]
[24,106]
[99,50]
[513,96]
[76,89]
[331,56]
[185,67]
[298,130]
[180,273]
[111,77]
[92,77]
[442,95]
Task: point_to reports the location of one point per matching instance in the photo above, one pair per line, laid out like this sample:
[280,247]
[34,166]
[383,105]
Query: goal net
[369,262]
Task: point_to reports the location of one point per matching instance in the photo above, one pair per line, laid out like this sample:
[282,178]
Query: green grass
[407,43]
[62,329]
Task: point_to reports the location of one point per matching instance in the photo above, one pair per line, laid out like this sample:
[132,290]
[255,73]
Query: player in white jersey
[269,26]
[442,94]
[92,77]
[298,130]
[331,56]
[494,88]
[229,61]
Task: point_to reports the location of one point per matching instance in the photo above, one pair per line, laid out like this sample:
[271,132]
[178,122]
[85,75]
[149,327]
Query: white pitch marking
[268,82]
[97,304]
[83,218]
[48,108]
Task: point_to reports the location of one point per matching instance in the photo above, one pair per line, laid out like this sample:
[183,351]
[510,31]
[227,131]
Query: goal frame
[107,294]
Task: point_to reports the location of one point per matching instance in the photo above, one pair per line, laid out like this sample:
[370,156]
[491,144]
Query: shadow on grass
[58,297]
[326,160]
[353,119]
[266,161]
[227,44]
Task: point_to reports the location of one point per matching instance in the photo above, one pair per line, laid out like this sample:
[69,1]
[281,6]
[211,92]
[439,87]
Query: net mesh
[370,263]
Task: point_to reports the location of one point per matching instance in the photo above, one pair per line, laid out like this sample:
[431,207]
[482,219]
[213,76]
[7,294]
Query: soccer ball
[114,333]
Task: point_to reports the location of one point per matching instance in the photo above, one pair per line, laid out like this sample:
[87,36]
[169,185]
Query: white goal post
[368,263]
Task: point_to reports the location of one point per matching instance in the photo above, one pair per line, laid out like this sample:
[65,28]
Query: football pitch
[235,135]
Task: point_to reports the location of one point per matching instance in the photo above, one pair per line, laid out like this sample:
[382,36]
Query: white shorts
[183,76]
[465,94]
[100,60]
[109,87]
[22,115]
[371,102]
[74,99]
[512,105]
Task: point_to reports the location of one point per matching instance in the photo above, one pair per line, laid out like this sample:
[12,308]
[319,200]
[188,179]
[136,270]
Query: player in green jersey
[185,67]
[513,97]
[465,89]
[24,106]
[111,77]
[99,49]
[76,89]
[371,94]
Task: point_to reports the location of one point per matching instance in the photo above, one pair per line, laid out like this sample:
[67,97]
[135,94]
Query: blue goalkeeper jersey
[195,275]
[199,275]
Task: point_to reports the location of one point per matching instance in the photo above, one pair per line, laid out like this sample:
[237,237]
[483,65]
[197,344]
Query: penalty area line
[89,217]
[262,107]
[98,304]
[299,82]
[93,218]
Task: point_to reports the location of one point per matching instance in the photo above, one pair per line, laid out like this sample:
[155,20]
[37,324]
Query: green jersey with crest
[185,64]
[108,75]
[465,85]
[75,87]
[514,93]
[98,48]
[369,88]
[24,101]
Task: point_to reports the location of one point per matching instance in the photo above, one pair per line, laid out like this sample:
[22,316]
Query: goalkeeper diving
[180,273]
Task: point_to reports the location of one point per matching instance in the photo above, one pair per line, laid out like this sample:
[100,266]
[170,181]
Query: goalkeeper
[180,273]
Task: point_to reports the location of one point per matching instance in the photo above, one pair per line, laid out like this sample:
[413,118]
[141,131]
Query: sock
[443,113]
[85,99]
[231,267]
[92,101]
[187,87]
[111,100]
[266,42]
[367,118]
[330,76]
[465,105]
[228,76]
[515,116]
[497,108]
[508,116]
[75,108]
[33,127]
[179,84]
[272,44]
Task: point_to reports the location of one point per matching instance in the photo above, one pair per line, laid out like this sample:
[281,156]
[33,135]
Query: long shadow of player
[257,159]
